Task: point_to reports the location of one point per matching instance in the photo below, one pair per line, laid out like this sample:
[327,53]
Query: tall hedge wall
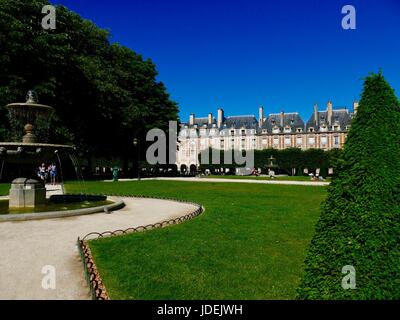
[359,224]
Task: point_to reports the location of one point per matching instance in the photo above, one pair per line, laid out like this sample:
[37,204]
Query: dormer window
[299,130]
[232,132]
[311,129]
[275,130]
[243,132]
[288,129]
[264,131]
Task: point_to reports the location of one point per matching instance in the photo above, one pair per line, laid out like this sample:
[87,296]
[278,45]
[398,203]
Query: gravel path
[26,247]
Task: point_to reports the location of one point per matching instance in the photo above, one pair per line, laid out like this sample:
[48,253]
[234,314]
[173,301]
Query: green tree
[360,221]
[104,94]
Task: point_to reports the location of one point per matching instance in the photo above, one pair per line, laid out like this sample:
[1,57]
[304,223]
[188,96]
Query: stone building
[325,130]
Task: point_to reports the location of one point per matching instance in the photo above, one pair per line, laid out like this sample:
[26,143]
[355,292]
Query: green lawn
[249,243]
[284,178]
[4,189]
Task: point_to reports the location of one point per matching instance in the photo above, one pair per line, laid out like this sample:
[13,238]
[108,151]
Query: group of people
[45,172]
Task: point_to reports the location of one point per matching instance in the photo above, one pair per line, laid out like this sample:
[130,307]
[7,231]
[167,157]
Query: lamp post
[136,143]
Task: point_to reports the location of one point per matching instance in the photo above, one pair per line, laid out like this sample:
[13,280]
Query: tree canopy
[104,93]
[359,224]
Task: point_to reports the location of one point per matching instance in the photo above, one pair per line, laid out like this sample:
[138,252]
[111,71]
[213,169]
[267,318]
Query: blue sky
[284,55]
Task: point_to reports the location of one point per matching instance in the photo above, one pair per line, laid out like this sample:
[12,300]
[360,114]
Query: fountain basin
[61,206]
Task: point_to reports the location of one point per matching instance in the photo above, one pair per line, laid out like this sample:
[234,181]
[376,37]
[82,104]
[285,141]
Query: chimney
[220,117]
[316,114]
[355,106]
[329,112]
[282,117]
[191,119]
[210,118]
[260,116]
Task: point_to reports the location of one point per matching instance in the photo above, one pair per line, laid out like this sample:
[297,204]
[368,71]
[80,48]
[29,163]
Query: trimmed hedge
[285,160]
[360,219]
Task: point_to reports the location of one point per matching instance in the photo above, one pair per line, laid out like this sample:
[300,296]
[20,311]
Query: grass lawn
[4,189]
[284,178]
[250,243]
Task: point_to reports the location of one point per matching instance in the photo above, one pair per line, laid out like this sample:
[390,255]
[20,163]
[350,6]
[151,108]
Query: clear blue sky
[284,55]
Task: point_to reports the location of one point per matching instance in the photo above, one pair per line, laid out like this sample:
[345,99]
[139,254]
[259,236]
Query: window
[299,140]
[275,130]
[324,140]
[311,129]
[222,144]
[264,131]
[336,140]
[288,141]
[299,130]
[276,140]
[311,140]
[193,133]
[243,132]
[243,143]
[288,129]
[232,132]
[264,141]
[324,128]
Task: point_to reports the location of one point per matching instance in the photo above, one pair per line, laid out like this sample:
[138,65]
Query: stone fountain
[25,191]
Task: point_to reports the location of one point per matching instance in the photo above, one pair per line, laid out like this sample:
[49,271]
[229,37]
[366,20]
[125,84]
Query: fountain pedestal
[26,193]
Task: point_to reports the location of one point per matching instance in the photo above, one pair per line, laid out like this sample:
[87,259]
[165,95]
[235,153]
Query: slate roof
[340,116]
[203,122]
[235,122]
[291,119]
[238,122]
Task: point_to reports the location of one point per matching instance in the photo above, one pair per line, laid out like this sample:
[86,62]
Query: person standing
[53,173]
[42,172]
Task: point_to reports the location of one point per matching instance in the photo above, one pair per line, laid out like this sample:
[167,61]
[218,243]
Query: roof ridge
[245,115]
